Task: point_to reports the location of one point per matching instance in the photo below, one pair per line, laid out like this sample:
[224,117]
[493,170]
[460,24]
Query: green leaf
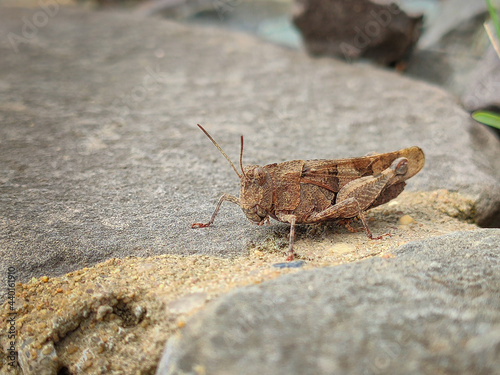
[494,17]
[487,118]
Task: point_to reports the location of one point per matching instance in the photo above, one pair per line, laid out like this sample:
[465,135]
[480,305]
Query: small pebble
[342,248]
[296,264]
[406,220]
[139,311]
[102,311]
[47,349]
[72,349]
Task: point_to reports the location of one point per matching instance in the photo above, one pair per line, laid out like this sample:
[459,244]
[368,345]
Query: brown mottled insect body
[312,191]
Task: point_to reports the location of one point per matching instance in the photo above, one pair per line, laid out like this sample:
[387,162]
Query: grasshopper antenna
[241,159]
[222,152]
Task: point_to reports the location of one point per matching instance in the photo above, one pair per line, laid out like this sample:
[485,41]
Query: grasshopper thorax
[256,193]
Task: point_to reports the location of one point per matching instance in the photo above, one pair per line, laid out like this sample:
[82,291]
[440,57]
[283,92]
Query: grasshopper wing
[334,174]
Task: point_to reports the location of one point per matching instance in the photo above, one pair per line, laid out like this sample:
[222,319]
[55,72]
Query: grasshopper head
[256,193]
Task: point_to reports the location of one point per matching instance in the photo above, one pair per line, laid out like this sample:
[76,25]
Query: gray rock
[174,8]
[452,14]
[455,52]
[483,90]
[434,308]
[351,29]
[101,156]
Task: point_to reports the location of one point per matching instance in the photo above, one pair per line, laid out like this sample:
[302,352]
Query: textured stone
[451,15]
[101,156]
[483,89]
[352,29]
[433,308]
[456,53]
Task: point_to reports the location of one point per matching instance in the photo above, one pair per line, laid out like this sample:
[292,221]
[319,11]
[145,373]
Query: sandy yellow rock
[342,248]
[406,220]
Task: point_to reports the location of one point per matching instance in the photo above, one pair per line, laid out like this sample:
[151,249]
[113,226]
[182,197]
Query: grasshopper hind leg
[348,208]
[361,215]
[292,238]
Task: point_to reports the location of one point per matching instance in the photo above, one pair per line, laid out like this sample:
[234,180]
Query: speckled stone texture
[434,308]
[101,157]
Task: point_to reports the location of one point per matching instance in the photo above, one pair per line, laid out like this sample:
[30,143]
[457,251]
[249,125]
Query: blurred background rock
[453,51]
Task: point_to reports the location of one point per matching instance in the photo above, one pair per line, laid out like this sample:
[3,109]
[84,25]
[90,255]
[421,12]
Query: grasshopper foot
[200,225]
[379,237]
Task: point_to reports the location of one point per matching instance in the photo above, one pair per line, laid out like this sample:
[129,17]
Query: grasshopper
[313,191]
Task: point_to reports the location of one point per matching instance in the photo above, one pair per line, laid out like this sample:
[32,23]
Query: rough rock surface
[483,91]
[352,29]
[113,318]
[456,53]
[103,318]
[451,15]
[433,308]
[101,156]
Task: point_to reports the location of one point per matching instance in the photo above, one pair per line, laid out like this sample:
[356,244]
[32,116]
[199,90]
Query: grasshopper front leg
[225,197]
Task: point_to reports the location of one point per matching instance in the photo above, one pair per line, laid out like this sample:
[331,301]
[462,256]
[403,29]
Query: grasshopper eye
[260,175]
[401,165]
